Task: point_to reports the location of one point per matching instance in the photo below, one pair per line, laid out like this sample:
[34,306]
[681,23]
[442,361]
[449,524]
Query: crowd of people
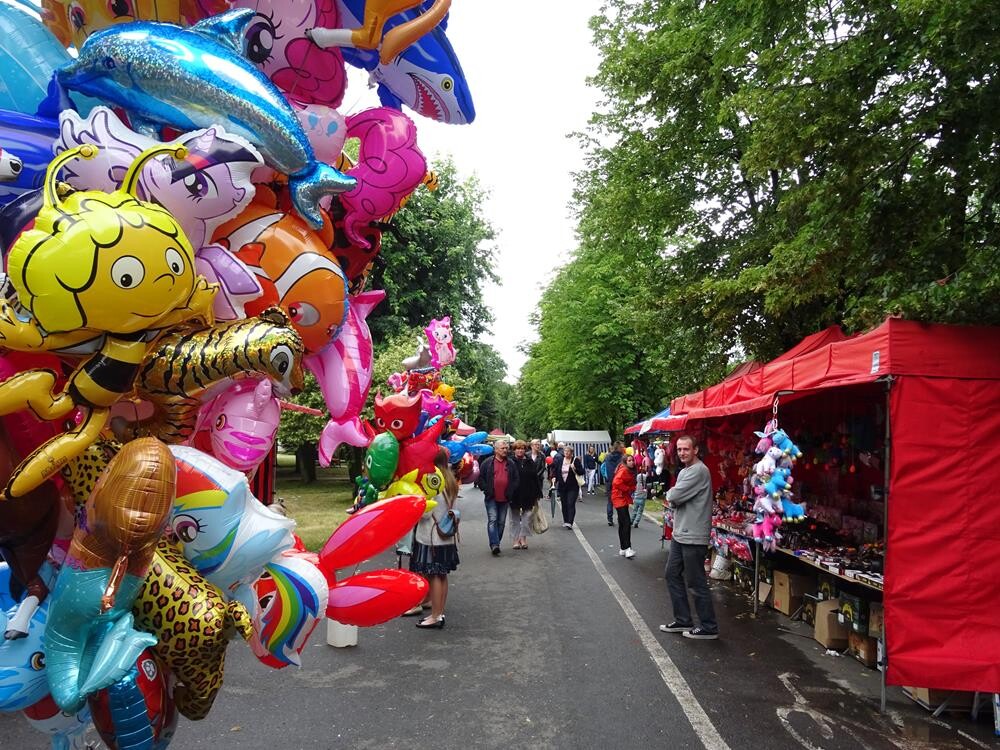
[512,481]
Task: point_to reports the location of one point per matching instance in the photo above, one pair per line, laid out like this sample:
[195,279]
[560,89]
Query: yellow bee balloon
[95,265]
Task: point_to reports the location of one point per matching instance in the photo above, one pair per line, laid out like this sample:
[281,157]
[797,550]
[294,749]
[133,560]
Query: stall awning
[662,422]
[828,359]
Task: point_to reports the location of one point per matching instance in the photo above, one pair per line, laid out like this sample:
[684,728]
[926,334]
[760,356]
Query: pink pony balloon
[389,168]
[344,372]
[239,426]
[439,336]
[276,43]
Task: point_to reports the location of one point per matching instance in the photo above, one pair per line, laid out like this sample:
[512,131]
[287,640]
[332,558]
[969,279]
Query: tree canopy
[437,261]
[761,170]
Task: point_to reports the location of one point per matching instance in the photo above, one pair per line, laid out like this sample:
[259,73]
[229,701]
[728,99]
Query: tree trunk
[305,462]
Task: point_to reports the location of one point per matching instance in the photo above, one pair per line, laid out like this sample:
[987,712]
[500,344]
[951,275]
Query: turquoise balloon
[29,54]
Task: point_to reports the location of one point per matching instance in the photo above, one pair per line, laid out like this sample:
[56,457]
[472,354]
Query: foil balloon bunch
[410,427]
[197,241]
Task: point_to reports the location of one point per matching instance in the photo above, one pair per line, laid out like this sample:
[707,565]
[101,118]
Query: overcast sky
[526,64]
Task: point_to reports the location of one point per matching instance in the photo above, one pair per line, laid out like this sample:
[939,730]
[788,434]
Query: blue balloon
[192,78]
[29,139]
[29,54]
[427,76]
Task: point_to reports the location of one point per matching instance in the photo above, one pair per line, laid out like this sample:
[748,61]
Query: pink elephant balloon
[239,425]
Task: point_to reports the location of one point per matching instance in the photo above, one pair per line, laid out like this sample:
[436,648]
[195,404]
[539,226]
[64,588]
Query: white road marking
[669,672]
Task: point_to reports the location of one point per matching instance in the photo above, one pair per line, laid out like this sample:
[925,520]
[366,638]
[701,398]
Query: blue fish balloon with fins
[196,77]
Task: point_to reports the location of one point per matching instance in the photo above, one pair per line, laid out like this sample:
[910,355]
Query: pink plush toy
[239,426]
[439,336]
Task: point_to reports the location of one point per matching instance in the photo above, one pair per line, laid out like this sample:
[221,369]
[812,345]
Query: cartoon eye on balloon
[38,661]
[186,528]
[175,261]
[200,186]
[447,84]
[281,359]
[303,313]
[260,38]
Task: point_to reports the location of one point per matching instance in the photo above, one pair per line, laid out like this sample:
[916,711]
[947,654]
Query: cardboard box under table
[863,648]
[788,591]
[828,631]
[854,612]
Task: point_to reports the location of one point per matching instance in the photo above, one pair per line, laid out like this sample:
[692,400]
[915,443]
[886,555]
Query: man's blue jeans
[496,519]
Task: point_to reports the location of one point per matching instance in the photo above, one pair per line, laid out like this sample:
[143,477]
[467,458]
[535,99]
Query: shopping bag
[539,523]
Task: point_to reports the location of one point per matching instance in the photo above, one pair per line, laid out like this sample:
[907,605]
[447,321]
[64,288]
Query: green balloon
[381,459]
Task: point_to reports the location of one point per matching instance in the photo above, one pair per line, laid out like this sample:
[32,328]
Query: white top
[427,532]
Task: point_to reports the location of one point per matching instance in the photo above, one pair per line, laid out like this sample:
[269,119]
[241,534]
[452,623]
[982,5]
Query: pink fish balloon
[344,372]
[239,425]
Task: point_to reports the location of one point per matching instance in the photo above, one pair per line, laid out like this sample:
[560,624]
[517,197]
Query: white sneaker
[629,553]
[621,552]
[567,526]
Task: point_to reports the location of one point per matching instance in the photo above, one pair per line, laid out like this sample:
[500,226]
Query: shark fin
[227,28]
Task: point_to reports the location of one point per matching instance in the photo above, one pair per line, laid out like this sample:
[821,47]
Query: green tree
[437,261]
[800,163]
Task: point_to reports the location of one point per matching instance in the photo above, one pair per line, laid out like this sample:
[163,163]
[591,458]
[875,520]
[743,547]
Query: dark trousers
[568,497]
[624,528]
[685,572]
[611,508]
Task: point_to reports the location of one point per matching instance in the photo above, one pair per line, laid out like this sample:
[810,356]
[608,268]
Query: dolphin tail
[310,185]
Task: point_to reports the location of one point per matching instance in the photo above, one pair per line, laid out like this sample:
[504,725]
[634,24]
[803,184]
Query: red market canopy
[829,359]
[942,573]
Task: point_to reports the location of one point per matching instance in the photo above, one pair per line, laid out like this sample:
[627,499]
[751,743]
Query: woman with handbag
[435,547]
[622,487]
[569,475]
[529,491]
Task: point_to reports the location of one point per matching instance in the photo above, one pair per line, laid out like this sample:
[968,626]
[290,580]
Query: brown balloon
[126,513]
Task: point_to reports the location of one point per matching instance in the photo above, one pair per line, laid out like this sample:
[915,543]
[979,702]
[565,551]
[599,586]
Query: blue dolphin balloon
[198,77]
[426,76]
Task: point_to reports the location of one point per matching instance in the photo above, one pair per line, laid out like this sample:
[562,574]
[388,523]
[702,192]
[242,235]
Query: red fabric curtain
[942,584]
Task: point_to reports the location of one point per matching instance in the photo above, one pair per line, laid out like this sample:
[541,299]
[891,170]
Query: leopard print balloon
[193,622]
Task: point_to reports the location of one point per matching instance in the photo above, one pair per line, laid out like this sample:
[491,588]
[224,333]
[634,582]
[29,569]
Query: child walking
[638,499]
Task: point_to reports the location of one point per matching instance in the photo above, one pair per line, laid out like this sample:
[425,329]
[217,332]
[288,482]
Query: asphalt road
[558,647]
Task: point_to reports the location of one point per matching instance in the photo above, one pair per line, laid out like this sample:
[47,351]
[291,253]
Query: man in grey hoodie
[691,499]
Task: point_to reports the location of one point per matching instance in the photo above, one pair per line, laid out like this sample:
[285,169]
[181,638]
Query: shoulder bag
[447,527]
[539,523]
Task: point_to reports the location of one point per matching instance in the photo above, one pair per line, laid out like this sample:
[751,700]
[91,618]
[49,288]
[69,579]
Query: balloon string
[289,406]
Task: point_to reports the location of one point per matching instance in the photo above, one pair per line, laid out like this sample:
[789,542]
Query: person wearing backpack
[435,547]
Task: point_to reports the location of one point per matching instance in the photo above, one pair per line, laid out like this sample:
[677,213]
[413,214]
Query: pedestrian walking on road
[611,463]
[566,468]
[529,492]
[498,481]
[639,497]
[590,466]
[537,456]
[622,487]
[435,556]
[691,500]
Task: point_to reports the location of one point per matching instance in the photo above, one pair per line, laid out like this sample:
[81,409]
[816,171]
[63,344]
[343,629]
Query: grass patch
[318,508]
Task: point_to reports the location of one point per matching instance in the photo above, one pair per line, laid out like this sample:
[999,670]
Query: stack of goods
[771,486]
